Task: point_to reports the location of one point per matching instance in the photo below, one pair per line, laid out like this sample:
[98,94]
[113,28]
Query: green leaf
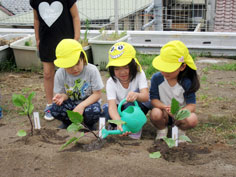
[117,122]
[18,100]
[74,127]
[75,117]
[31,108]
[30,97]
[169,141]
[21,133]
[71,140]
[155,155]
[68,142]
[185,138]
[174,106]
[182,114]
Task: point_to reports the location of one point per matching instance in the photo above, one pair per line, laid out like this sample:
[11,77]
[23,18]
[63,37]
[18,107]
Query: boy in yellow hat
[127,81]
[177,79]
[77,85]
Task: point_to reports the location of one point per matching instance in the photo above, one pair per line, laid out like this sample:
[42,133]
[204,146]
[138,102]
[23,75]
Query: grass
[224,67]
[145,61]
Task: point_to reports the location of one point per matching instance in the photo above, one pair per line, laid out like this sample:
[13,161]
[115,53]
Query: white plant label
[175,132]
[36,120]
[102,123]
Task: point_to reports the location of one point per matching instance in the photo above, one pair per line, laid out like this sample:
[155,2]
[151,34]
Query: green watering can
[134,118]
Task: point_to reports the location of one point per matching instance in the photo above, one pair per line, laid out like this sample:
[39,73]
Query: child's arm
[113,112]
[76,21]
[141,96]
[90,100]
[36,28]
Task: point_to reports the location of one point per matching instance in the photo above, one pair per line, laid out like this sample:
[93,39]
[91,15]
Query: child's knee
[156,114]
[192,121]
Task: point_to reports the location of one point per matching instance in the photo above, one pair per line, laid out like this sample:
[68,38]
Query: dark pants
[91,113]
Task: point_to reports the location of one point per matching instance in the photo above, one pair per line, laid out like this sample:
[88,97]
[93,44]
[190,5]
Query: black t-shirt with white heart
[55,24]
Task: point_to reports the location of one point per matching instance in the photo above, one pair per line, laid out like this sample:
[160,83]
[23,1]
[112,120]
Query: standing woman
[54,20]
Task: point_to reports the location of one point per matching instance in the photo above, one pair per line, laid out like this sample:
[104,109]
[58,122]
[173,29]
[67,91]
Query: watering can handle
[121,103]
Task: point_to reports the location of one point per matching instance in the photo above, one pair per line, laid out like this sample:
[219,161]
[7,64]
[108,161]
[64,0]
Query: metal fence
[158,15]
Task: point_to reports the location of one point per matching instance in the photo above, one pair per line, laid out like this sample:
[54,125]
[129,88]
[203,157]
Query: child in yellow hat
[77,85]
[177,79]
[127,81]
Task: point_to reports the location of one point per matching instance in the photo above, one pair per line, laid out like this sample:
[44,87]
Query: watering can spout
[106,132]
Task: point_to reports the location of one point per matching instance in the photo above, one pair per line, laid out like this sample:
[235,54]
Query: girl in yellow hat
[177,79]
[127,81]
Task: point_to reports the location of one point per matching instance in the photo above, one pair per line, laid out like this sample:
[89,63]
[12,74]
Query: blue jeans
[91,113]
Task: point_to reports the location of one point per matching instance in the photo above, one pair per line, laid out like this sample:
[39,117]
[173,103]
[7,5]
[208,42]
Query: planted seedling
[29,42]
[178,114]
[76,125]
[84,42]
[26,108]
[111,37]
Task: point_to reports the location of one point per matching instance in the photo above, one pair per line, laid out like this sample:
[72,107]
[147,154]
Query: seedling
[178,114]
[76,125]
[111,37]
[84,42]
[27,107]
[29,42]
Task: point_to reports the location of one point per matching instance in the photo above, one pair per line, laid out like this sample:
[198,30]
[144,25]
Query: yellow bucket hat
[121,54]
[172,55]
[68,53]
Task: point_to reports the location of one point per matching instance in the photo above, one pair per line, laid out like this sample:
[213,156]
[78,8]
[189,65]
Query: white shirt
[115,90]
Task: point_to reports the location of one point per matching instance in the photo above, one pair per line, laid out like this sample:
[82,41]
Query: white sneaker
[161,133]
[48,115]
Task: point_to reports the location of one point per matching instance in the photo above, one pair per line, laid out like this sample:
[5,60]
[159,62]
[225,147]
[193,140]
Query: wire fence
[158,15]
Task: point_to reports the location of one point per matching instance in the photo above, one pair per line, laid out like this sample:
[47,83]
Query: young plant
[27,107]
[84,42]
[178,114]
[76,125]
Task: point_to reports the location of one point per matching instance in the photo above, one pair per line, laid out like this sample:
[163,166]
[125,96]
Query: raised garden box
[100,49]
[26,56]
[5,51]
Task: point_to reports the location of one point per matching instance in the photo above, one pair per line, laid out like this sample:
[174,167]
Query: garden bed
[212,152]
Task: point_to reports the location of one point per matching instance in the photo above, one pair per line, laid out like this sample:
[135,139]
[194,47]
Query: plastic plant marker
[36,120]
[175,135]
[102,122]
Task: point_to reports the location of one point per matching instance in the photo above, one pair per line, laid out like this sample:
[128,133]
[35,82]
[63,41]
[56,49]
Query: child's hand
[79,108]
[119,127]
[58,99]
[132,96]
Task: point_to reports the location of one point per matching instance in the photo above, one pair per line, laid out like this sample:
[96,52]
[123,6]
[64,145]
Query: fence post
[116,15]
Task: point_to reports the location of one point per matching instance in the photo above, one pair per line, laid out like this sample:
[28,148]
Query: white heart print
[50,13]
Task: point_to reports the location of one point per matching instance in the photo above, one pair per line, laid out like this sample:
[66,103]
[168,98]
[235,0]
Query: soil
[209,154]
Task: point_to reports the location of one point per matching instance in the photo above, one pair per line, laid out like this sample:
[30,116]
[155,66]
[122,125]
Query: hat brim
[120,62]
[70,60]
[163,66]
